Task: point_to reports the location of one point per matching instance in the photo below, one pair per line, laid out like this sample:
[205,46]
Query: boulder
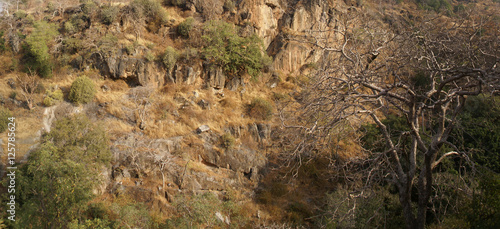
[202,129]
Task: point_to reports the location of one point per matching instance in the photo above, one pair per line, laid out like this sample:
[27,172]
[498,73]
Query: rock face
[284,26]
[276,21]
[239,159]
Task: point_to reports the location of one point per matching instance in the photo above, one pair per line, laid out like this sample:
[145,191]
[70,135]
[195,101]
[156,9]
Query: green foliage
[78,139]
[38,51]
[185,26]
[169,58]
[2,42]
[260,108]
[133,215]
[72,45]
[20,14]
[227,141]
[89,7]
[82,90]
[108,14]
[57,181]
[108,44]
[485,212]
[53,97]
[436,5]
[5,114]
[152,10]
[234,53]
[54,189]
[479,130]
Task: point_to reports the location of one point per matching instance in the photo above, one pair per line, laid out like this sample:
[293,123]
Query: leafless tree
[141,97]
[29,83]
[422,71]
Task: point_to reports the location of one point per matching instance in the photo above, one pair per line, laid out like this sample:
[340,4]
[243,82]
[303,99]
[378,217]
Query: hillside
[222,114]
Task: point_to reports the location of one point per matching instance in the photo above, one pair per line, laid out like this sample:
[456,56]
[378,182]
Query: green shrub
[72,45]
[56,183]
[151,10]
[232,52]
[259,108]
[89,7]
[2,42]
[82,90]
[53,97]
[169,58]
[38,57]
[108,14]
[5,114]
[69,27]
[184,28]
[227,141]
[20,14]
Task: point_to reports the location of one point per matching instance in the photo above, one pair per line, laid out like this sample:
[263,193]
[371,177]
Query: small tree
[82,90]
[169,58]
[184,28]
[29,83]
[38,51]
[234,53]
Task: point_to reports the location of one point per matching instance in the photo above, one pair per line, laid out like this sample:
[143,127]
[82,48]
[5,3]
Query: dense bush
[479,130]
[5,114]
[53,97]
[234,53]
[152,10]
[82,90]
[38,57]
[260,109]
[56,183]
[169,58]
[108,14]
[184,28]
[227,141]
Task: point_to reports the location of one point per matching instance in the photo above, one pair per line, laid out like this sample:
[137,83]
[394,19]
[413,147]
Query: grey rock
[203,128]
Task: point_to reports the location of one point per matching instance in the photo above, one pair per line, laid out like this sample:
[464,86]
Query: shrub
[227,141]
[53,97]
[5,114]
[108,14]
[234,53]
[184,28]
[2,42]
[228,5]
[82,90]
[38,57]
[150,9]
[169,58]
[20,14]
[260,109]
